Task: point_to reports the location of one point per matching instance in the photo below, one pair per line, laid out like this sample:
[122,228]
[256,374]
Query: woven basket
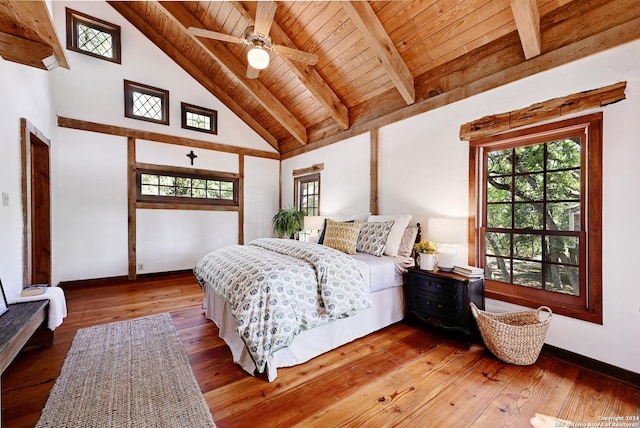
[513,337]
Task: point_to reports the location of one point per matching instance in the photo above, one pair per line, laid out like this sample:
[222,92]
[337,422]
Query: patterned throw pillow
[373,237]
[342,236]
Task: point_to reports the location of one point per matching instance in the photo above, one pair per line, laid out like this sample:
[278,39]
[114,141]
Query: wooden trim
[540,112]
[82,125]
[309,170]
[619,374]
[374,147]
[241,200]
[131,208]
[186,171]
[185,207]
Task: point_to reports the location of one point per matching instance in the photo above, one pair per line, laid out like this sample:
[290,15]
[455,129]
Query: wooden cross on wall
[192,156]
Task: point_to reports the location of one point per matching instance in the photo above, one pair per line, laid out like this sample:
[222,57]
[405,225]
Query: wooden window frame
[180,202]
[298,182]
[74,18]
[212,114]
[591,260]
[131,87]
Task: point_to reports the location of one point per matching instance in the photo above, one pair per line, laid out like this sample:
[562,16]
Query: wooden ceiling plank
[184,19]
[23,51]
[367,22]
[525,13]
[200,75]
[307,74]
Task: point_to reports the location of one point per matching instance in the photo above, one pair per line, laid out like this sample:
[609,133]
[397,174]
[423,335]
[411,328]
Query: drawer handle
[440,306]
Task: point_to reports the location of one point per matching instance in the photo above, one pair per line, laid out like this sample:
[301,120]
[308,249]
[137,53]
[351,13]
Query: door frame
[35,156]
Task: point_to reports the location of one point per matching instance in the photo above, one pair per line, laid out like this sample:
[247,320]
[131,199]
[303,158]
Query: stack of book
[470,271]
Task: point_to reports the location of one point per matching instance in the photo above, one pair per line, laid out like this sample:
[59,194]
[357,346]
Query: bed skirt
[388,308]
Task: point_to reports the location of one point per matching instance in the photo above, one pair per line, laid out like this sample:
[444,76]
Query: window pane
[563,216]
[198,193]
[199,183]
[529,158]
[530,187]
[498,244]
[167,191]
[563,279]
[95,41]
[499,216]
[528,216]
[562,249]
[149,189]
[498,269]
[527,273]
[563,154]
[213,194]
[225,194]
[499,162]
[146,105]
[149,179]
[167,180]
[563,185]
[526,246]
[499,189]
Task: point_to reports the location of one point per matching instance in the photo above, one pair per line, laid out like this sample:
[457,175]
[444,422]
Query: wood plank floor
[404,375]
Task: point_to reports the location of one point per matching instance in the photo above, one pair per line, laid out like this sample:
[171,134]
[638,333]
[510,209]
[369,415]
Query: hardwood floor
[404,375]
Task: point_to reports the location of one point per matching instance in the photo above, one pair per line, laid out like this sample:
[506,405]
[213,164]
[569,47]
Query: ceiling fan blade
[252,73]
[215,35]
[264,17]
[295,54]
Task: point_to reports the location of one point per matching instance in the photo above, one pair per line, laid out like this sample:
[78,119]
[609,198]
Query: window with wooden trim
[185,186]
[539,199]
[307,193]
[92,36]
[145,102]
[199,118]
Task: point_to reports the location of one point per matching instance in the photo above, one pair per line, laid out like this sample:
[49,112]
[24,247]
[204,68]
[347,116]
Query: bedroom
[423,170]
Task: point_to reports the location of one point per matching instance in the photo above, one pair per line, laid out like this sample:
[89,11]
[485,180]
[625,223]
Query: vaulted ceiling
[378,62]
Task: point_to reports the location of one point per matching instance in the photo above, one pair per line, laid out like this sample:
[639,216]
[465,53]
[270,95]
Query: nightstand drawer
[427,307]
[447,291]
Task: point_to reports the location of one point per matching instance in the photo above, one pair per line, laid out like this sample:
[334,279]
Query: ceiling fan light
[258,58]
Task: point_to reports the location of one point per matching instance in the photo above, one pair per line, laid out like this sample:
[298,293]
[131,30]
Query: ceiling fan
[257,37]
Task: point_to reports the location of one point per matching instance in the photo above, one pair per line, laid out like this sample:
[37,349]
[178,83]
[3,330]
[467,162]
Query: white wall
[24,93]
[424,172]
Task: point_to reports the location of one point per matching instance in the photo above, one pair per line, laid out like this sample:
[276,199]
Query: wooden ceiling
[378,62]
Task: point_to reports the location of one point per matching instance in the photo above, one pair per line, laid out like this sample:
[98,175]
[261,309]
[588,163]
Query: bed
[281,302]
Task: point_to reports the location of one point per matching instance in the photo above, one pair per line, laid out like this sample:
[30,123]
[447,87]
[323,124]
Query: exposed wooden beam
[367,22]
[184,19]
[128,13]
[34,20]
[23,51]
[374,149]
[539,112]
[65,122]
[525,13]
[306,73]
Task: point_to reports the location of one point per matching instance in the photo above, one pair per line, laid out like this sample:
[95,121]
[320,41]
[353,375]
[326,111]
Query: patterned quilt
[279,287]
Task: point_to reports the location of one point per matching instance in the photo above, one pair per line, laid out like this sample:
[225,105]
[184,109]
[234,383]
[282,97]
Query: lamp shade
[446,230]
[313,222]
[258,57]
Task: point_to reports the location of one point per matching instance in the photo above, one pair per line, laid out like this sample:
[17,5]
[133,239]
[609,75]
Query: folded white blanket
[57,304]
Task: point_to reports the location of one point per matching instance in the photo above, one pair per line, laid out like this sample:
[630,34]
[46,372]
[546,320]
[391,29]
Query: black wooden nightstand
[442,299]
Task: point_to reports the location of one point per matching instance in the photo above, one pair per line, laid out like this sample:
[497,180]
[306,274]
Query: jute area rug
[127,374]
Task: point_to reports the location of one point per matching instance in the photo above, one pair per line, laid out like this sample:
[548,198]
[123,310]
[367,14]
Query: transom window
[145,102]
[539,216]
[93,36]
[187,187]
[199,118]
[307,194]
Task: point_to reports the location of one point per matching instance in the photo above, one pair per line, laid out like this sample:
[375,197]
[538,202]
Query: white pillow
[400,223]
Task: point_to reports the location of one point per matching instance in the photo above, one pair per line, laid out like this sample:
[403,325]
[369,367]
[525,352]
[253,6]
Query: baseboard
[617,373]
[122,279]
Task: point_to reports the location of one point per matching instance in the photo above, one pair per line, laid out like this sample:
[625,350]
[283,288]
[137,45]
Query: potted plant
[287,222]
[427,252]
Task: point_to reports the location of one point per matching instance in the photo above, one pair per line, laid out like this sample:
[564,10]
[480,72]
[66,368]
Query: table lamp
[447,231]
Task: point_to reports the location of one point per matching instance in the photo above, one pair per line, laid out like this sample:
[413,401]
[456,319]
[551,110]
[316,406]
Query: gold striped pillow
[342,236]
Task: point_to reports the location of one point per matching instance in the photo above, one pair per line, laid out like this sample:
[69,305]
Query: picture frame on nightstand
[4,307]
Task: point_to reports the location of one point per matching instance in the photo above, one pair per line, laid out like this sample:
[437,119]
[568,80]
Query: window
[92,36]
[539,216]
[146,103]
[186,186]
[307,194]
[199,118]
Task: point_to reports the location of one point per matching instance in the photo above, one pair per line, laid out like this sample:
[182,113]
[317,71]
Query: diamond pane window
[92,36]
[185,186]
[199,118]
[146,102]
